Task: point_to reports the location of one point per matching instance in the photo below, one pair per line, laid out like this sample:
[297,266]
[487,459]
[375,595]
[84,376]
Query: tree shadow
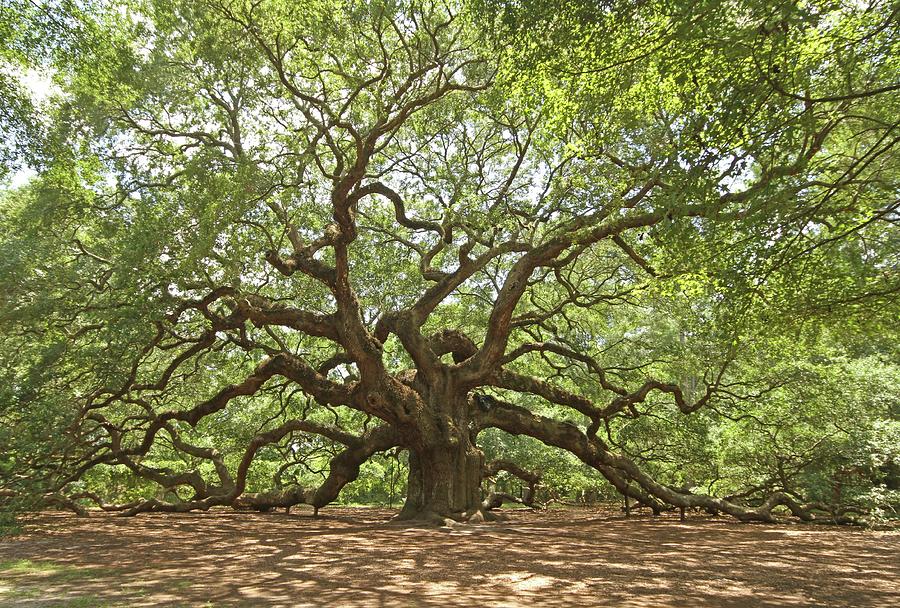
[354,557]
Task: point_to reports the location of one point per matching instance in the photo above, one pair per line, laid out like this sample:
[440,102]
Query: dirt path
[352,557]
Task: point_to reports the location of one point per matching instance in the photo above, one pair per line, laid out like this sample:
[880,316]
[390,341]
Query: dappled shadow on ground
[354,557]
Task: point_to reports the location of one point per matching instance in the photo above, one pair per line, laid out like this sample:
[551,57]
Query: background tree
[274,241]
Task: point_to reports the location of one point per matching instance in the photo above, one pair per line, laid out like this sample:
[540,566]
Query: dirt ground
[353,557]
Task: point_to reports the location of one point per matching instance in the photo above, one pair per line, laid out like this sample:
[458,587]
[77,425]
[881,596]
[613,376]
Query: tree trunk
[444,481]
[445,467]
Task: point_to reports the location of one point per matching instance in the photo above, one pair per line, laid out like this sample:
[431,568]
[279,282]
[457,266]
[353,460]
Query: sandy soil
[352,557]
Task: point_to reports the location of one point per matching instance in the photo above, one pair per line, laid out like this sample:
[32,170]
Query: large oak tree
[399,224]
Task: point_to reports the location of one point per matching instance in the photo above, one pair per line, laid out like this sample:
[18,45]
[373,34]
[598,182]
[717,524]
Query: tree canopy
[272,248]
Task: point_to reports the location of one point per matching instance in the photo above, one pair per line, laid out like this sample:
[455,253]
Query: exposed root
[429,518]
[424,518]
